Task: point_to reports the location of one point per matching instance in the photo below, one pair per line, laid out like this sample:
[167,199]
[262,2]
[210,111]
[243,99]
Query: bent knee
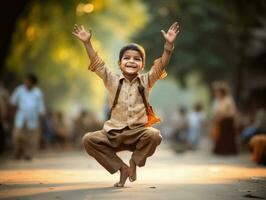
[155,135]
[157,138]
[92,138]
[87,138]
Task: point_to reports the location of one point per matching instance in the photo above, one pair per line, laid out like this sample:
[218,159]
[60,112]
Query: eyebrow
[133,56]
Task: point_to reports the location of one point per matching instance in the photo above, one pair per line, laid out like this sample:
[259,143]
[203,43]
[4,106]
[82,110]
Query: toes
[118,185]
[133,178]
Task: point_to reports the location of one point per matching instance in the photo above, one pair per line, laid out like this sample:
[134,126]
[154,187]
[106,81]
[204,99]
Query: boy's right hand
[81,33]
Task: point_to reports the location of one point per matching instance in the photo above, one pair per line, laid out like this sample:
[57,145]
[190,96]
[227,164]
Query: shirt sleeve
[41,105]
[156,72]
[15,97]
[230,106]
[98,66]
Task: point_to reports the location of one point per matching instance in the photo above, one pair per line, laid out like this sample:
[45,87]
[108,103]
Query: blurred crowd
[229,129]
[27,126]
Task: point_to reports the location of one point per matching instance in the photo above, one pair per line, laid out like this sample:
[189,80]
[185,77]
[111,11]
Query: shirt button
[130,95]
[130,116]
[130,105]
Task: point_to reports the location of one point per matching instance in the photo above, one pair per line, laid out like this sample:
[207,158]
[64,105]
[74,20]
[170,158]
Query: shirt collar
[26,89]
[123,77]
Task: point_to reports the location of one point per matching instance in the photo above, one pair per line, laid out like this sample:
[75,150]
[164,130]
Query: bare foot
[132,171]
[124,173]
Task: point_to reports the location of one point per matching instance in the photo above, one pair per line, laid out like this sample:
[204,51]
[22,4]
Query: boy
[128,127]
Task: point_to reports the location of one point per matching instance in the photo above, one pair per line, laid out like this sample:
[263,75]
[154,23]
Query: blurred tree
[215,36]
[42,43]
[9,12]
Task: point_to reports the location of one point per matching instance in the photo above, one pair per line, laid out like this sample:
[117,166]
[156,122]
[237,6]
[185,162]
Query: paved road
[74,175]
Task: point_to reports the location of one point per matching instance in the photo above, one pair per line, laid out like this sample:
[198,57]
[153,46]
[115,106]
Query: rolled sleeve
[156,72]
[96,62]
[98,66]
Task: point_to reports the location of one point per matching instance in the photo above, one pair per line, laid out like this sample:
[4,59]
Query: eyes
[134,58]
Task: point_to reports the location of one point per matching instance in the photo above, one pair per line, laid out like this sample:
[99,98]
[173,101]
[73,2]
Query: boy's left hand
[172,32]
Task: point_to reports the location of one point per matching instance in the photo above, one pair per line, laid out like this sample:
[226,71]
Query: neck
[130,77]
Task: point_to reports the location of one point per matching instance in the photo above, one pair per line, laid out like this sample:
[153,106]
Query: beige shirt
[224,107]
[130,109]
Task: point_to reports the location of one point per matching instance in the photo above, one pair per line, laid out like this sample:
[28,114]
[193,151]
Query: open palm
[81,33]
[172,32]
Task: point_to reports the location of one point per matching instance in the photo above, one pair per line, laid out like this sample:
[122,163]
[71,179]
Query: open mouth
[131,66]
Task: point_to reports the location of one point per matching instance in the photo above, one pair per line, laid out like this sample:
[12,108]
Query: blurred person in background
[223,128]
[85,122]
[254,136]
[4,104]
[257,127]
[29,104]
[62,132]
[180,126]
[48,136]
[196,126]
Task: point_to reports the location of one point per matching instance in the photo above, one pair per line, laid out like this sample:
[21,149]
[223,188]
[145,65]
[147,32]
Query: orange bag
[152,118]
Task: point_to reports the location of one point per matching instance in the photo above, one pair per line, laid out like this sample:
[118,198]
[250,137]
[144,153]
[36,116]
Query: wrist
[87,42]
[169,46]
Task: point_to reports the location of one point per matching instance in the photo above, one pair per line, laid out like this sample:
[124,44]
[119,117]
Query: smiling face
[131,63]
[28,83]
[219,93]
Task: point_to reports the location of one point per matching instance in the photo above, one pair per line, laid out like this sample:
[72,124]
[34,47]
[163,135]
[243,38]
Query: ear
[119,64]
[143,65]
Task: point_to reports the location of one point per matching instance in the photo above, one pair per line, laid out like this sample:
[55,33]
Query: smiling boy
[131,116]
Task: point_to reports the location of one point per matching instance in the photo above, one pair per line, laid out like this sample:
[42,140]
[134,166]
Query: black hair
[134,47]
[33,78]
[198,107]
[182,110]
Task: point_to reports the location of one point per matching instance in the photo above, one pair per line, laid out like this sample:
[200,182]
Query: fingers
[77,29]
[175,27]
[75,34]
[163,32]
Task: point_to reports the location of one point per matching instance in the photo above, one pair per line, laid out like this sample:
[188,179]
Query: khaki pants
[103,145]
[25,141]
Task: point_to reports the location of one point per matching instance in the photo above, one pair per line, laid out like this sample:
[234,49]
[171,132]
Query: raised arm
[97,65]
[158,69]
[169,37]
[85,37]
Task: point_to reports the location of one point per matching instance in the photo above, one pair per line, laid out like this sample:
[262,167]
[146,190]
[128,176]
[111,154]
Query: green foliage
[214,35]
[43,44]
